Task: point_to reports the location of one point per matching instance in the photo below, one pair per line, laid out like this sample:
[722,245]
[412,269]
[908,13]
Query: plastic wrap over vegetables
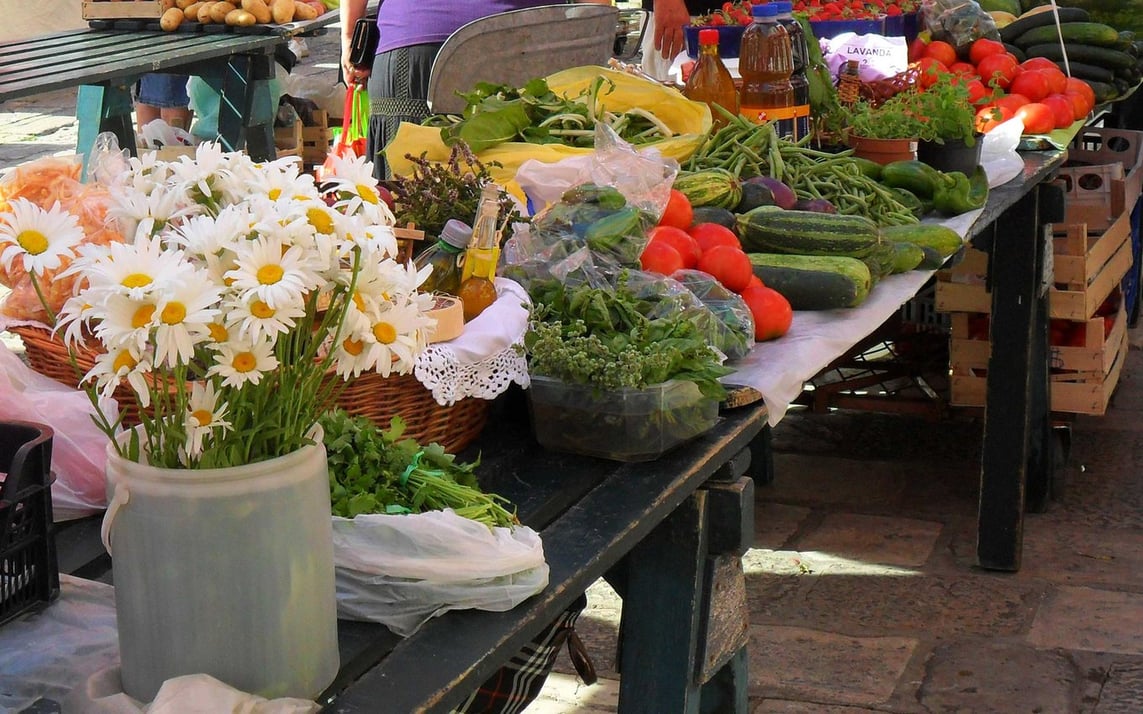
[957,22]
[734,333]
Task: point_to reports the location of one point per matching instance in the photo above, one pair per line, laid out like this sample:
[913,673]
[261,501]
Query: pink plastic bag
[78,446]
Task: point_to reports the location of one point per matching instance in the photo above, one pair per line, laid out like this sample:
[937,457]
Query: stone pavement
[862,590]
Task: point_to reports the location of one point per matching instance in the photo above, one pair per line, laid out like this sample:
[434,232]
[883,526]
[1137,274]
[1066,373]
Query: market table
[105,63]
[668,534]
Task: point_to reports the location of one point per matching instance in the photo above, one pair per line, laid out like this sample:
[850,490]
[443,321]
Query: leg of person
[162,96]
[398,86]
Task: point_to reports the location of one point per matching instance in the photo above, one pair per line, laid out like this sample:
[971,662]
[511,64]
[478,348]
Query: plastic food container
[621,425]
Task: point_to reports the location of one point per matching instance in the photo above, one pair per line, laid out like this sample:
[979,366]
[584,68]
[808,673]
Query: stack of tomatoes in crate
[1092,253]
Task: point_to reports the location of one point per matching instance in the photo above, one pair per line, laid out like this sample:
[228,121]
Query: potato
[204,12]
[219,11]
[282,11]
[167,4]
[184,4]
[304,11]
[190,12]
[240,18]
[171,19]
[259,9]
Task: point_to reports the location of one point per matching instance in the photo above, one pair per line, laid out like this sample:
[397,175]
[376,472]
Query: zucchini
[1095,34]
[1087,54]
[1012,30]
[906,256]
[710,187]
[943,239]
[773,230]
[1087,72]
[814,282]
[1104,91]
[880,261]
[1015,51]
[933,259]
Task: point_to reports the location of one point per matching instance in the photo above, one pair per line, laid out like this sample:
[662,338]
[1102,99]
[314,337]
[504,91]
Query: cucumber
[1087,72]
[1015,51]
[932,260]
[714,214]
[880,261]
[1104,91]
[774,230]
[1011,31]
[814,282]
[906,256]
[943,239]
[1095,34]
[1087,54]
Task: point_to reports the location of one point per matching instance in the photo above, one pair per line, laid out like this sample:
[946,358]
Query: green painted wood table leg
[246,111]
[99,109]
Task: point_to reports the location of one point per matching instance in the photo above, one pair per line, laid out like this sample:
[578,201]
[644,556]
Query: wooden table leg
[1017,404]
[104,108]
[246,111]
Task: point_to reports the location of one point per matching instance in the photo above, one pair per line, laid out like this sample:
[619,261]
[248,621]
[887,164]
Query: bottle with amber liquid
[477,289]
[710,80]
[765,61]
[446,257]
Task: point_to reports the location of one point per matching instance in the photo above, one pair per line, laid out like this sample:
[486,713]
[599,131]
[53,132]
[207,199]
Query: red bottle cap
[708,37]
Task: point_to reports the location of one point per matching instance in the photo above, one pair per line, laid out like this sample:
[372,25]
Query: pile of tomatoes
[678,243]
[1036,90]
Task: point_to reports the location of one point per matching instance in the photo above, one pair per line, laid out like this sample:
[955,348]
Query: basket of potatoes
[238,13]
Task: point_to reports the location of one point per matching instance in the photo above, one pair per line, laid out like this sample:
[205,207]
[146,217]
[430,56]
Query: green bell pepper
[957,193]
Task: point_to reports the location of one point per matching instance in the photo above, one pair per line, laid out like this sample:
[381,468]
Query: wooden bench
[105,63]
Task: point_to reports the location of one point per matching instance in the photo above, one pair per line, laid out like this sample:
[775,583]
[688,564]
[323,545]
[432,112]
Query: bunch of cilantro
[373,470]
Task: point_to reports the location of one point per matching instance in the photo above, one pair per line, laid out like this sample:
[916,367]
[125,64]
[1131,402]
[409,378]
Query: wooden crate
[1086,268]
[1082,378]
[123,9]
[1103,176]
[288,140]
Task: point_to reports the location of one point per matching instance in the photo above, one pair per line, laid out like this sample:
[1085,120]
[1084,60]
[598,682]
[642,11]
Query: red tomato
[1081,87]
[992,115]
[755,282]
[1033,84]
[1061,108]
[771,312]
[1038,63]
[931,71]
[681,241]
[1038,118]
[963,69]
[941,51]
[984,47]
[678,212]
[1012,101]
[999,69]
[977,94]
[1080,104]
[728,265]
[659,257]
[1057,80]
[709,235]
[917,49]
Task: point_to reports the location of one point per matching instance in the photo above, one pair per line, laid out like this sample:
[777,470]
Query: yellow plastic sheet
[690,120]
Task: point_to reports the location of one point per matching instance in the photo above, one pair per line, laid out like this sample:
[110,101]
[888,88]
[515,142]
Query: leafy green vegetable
[372,470]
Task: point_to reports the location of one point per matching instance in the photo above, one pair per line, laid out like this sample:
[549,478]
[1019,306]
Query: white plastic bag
[879,57]
[998,154]
[403,570]
[78,446]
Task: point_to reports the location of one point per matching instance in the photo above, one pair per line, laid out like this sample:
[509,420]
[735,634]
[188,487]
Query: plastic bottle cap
[708,37]
[456,233]
[784,6]
[768,10]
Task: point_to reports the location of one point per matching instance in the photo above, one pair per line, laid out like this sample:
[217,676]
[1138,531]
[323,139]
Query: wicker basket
[48,356]
[381,398]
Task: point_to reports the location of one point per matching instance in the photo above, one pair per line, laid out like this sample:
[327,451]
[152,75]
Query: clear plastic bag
[734,327]
[401,571]
[957,22]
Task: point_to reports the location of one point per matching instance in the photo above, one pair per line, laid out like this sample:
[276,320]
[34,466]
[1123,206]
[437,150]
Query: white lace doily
[484,360]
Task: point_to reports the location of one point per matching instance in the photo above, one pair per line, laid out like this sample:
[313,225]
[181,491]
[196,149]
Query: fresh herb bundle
[373,470]
[607,338]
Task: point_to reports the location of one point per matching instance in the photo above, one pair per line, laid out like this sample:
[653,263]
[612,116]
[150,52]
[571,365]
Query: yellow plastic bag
[690,120]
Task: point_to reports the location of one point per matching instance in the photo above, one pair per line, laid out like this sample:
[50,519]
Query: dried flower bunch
[237,292]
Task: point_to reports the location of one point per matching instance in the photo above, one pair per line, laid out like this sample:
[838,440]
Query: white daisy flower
[119,321]
[350,358]
[133,269]
[37,238]
[277,277]
[239,362]
[204,415]
[255,319]
[283,180]
[395,336]
[183,318]
[117,364]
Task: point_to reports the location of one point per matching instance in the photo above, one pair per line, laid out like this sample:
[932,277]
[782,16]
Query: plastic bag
[78,446]
[734,328]
[957,22]
[401,571]
[328,97]
[351,140]
[158,134]
[998,153]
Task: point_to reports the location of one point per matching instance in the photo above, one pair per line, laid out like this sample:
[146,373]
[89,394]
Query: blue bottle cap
[770,9]
[784,6]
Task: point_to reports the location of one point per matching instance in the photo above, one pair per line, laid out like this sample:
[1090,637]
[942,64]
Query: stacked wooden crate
[1091,254]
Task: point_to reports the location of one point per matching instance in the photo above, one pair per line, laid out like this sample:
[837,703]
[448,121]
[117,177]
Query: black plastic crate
[29,571]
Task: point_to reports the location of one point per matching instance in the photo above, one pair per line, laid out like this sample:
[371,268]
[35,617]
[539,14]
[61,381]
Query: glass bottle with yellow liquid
[477,290]
[710,80]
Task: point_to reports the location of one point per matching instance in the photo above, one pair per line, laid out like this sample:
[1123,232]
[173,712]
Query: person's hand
[353,74]
[670,17]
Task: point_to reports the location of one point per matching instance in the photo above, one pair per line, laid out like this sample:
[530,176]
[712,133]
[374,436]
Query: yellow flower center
[352,346]
[275,193]
[368,193]
[385,333]
[218,333]
[142,316]
[261,310]
[245,361]
[174,313]
[124,360]
[203,416]
[320,220]
[136,280]
[32,241]
[358,301]
[270,274]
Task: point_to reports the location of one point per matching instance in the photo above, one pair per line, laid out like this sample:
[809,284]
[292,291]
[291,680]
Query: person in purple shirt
[412,31]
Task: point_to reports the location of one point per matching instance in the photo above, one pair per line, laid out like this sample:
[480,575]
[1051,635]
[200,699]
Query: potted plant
[884,133]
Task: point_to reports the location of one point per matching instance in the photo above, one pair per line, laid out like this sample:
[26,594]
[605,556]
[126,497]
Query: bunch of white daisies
[240,281]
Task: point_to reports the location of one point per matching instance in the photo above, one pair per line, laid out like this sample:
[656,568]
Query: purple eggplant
[784,196]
